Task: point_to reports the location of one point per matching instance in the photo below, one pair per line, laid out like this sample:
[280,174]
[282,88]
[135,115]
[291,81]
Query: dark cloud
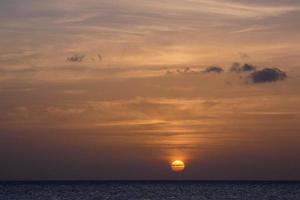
[214,69]
[268,75]
[184,70]
[237,67]
[76,58]
[248,68]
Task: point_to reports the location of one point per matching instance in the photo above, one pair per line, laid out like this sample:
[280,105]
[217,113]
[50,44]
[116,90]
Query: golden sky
[119,89]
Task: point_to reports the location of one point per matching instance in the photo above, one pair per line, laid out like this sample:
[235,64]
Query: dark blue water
[149,190]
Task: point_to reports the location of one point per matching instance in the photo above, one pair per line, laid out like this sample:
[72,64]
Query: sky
[117,90]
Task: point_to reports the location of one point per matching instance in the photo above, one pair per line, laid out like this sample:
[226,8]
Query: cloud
[237,67]
[183,70]
[248,68]
[214,69]
[268,75]
[76,58]
[241,10]
[137,33]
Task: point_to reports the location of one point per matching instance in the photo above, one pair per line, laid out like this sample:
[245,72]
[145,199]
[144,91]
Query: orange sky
[118,90]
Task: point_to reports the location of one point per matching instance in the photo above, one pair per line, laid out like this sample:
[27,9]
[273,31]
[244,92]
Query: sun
[177,166]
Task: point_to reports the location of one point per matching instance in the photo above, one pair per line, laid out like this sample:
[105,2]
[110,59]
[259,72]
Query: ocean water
[149,190]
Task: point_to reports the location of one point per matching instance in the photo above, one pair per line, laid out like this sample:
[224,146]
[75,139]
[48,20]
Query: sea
[149,190]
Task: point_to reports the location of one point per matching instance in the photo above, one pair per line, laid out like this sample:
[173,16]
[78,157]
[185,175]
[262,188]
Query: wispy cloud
[243,10]
[145,32]
[256,28]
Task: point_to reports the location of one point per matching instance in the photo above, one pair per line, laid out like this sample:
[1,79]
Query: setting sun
[178,166]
